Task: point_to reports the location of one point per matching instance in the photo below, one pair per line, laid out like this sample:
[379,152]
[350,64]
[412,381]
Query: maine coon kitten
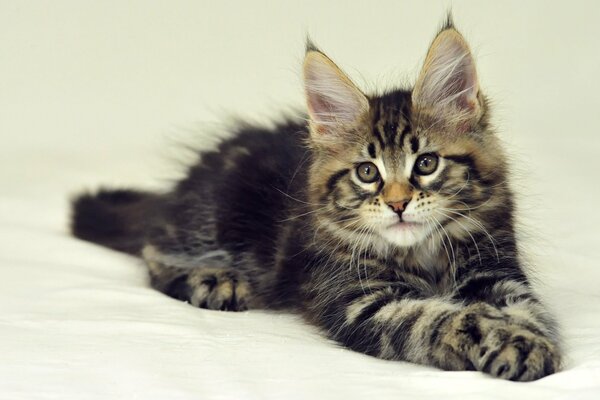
[386,220]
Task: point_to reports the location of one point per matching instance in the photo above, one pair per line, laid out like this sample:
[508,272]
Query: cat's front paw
[218,290]
[516,353]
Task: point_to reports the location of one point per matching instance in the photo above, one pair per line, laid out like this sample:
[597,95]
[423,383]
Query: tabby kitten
[386,220]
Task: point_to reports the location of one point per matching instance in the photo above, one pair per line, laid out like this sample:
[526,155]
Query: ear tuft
[333,101]
[310,45]
[448,22]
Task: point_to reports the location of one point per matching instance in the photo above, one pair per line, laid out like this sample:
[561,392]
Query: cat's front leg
[397,324]
[447,334]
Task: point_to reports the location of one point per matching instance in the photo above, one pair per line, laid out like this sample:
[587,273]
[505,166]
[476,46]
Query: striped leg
[444,333]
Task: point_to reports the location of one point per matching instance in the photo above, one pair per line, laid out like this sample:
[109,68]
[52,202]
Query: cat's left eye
[426,164]
[367,172]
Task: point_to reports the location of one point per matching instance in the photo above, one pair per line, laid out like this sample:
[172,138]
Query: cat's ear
[448,81]
[334,103]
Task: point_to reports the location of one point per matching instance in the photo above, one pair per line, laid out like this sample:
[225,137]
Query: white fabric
[98,93]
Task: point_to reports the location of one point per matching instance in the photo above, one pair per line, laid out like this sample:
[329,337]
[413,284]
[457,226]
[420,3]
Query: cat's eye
[426,164]
[367,172]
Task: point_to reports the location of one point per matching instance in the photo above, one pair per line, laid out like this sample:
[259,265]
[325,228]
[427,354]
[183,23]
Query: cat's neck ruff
[430,253]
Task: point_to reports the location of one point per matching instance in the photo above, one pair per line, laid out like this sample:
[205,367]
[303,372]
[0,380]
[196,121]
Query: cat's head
[407,166]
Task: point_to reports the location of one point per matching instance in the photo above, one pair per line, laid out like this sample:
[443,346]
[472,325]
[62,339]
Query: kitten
[386,220]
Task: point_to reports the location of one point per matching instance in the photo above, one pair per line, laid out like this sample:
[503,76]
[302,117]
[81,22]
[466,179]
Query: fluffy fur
[387,222]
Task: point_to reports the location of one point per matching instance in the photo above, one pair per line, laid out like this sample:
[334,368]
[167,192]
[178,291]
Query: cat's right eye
[367,172]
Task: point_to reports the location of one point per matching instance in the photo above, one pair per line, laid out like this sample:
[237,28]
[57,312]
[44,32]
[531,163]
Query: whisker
[467,231]
[480,226]
[298,200]
[449,241]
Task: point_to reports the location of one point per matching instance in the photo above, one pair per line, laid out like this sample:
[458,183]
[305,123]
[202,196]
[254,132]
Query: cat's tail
[118,219]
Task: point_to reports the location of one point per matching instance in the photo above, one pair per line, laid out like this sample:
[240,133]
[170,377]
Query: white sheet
[98,93]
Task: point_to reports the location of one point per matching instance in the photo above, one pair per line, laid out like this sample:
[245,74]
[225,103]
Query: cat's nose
[398,206]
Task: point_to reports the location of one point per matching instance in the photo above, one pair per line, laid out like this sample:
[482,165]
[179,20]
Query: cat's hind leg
[207,280]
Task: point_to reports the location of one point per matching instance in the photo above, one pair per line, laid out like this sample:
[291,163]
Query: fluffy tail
[118,219]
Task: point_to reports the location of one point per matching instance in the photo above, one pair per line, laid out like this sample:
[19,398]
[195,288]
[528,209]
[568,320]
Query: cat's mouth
[404,225]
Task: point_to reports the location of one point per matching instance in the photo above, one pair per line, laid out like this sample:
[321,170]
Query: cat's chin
[405,234]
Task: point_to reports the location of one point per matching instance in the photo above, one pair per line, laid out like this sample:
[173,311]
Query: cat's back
[251,154]
[250,182]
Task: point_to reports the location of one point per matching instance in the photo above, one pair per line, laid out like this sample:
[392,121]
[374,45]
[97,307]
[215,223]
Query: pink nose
[398,206]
